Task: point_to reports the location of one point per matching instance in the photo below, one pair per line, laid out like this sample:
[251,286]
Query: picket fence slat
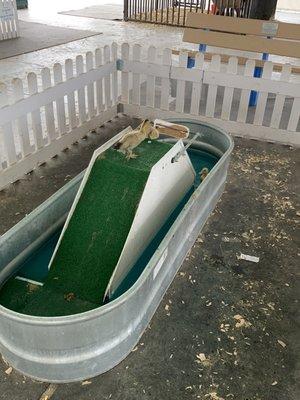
[107,79]
[197,87]
[136,78]
[114,76]
[125,74]
[22,122]
[165,82]
[49,112]
[212,88]
[295,115]
[71,96]
[280,98]
[150,83]
[90,86]
[7,131]
[263,95]
[60,104]
[232,69]
[99,82]
[81,91]
[245,94]
[180,90]
[36,114]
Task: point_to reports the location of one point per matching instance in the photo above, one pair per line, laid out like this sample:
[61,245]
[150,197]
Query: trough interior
[23,297]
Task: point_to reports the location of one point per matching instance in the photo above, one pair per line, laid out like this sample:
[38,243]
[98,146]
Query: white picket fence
[49,112]
[9,24]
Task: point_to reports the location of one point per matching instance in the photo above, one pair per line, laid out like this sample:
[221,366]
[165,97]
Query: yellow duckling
[203,173]
[135,137]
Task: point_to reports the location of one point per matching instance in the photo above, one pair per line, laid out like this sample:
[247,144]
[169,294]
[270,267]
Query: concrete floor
[113,31]
[257,215]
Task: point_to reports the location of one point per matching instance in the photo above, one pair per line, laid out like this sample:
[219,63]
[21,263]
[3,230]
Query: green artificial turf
[100,224]
[48,303]
[98,229]
[15,294]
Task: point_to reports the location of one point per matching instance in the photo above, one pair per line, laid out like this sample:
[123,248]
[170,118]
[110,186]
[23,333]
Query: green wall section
[94,238]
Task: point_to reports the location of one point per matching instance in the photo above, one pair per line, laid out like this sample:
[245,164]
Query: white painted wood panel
[36,114]
[165,82]
[150,80]
[180,90]
[280,98]
[69,68]
[99,81]
[22,122]
[212,85]
[197,87]
[136,78]
[125,74]
[60,103]
[90,87]
[228,92]
[245,94]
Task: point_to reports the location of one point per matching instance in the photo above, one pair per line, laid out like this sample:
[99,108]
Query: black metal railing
[173,12]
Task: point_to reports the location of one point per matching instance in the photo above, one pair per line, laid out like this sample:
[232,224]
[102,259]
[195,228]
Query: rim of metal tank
[103,309]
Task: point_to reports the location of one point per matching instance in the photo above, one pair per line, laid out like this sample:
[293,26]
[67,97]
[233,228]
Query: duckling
[135,137]
[203,173]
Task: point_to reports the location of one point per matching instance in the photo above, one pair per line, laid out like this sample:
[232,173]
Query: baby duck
[135,137]
[203,173]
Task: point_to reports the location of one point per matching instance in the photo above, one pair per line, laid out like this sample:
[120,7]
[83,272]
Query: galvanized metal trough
[76,347]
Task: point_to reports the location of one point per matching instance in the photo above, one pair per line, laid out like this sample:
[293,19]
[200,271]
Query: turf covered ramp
[95,234]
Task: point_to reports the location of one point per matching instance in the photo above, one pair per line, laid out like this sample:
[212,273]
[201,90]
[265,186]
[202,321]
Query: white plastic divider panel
[213,92]
[45,114]
[9,25]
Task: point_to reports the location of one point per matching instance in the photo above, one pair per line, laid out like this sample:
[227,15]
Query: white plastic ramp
[167,184]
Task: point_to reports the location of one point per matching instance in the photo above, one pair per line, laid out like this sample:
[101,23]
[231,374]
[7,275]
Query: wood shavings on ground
[49,392]
[246,257]
[241,322]
[85,383]
[8,371]
[213,396]
[224,327]
[203,360]
[201,357]
[282,344]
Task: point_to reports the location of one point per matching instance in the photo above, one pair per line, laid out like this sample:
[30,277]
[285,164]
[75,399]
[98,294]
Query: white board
[167,184]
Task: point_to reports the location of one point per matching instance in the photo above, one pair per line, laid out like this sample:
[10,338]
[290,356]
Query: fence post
[125,10]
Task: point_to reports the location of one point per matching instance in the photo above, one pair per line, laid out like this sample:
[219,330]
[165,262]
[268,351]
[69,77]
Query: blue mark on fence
[257,74]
